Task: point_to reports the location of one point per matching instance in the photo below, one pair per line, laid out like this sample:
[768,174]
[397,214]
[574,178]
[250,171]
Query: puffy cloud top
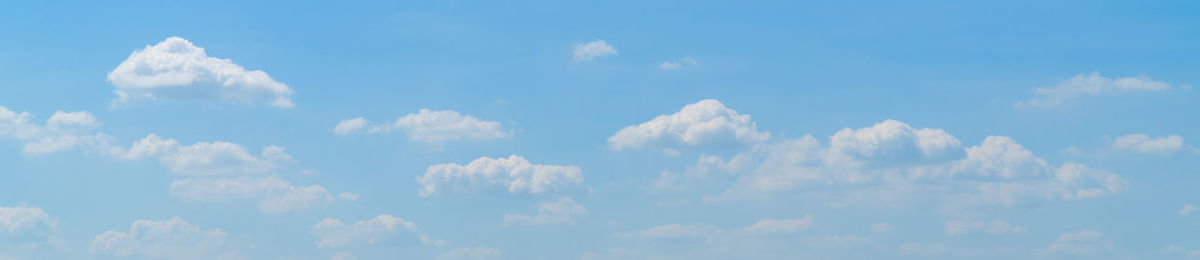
[704,123]
[513,174]
[592,50]
[177,69]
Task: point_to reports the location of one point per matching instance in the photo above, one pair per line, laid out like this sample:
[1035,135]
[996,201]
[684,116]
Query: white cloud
[18,125]
[273,194]
[591,50]
[1141,143]
[704,123]
[1089,85]
[332,233]
[669,232]
[343,256]
[513,175]
[775,226]
[177,69]
[678,65]
[991,228]
[347,196]
[1180,251]
[882,227]
[64,131]
[890,142]
[167,239]
[1085,242]
[1188,209]
[22,218]
[205,158]
[561,211]
[472,253]
[428,126]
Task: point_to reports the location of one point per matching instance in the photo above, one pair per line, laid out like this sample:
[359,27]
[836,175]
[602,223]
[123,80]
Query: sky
[599,130]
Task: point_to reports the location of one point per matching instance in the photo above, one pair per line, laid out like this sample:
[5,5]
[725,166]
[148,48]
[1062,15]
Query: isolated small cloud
[561,211]
[205,158]
[513,175]
[991,228]
[678,64]
[429,126]
[591,50]
[777,226]
[1141,143]
[177,69]
[1188,209]
[1090,85]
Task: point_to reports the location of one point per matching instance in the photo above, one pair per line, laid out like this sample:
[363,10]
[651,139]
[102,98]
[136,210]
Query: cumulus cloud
[63,131]
[177,69]
[561,211]
[166,239]
[702,124]
[996,227]
[332,233]
[24,218]
[471,253]
[591,50]
[1090,85]
[205,158]
[273,194]
[669,232]
[1188,209]
[777,226]
[513,174]
[1085,242]
[1141,143]
[428,126]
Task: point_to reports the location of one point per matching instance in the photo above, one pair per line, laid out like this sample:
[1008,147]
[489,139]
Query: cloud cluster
[166,239]
[704,124]
[333,233]
[561,211]
[428,126]
[205,158]
[177,69]
[513,175]
[1089,85]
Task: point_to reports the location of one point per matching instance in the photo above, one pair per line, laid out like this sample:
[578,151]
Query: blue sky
[599,130]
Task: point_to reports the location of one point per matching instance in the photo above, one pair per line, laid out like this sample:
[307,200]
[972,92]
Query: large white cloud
[561,211]
[513,174]
[333,233]
[1141,143]
[591,50]
[702,124]
[1090,85]
[177,69]
[166,239]
[429,126]
[273,194]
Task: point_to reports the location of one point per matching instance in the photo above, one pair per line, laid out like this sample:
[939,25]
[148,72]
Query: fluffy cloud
[275,195]
[332,233]
[23,218]
[670,232]
[591,50]
[1141,143]
[1085,242]
[704,123]
[428,126]
[63,131]
[991,228]
[1188,209]
[561,211]
[205,158]
[513,174]
[775,226]
[177,69]
[891,142]
[167,239]
[1090,85]
[471,253]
